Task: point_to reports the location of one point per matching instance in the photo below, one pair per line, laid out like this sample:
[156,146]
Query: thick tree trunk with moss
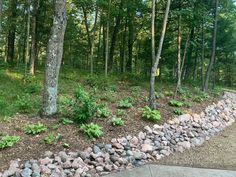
[53,59]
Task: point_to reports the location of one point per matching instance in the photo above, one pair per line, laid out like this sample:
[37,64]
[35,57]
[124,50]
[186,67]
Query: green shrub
[83,107]
[51,138]
[125,103]
[103,111]
[178,111]
[34,128]
[92,130]
[175,103]
[8,141]
[117,121]
[151,115]
[24,103]
[120,112]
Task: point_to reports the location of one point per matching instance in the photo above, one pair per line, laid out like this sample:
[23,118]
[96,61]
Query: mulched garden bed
[32,147]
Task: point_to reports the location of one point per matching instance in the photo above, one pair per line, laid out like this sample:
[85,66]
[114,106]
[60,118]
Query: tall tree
[53,59]
[213,52]
[152,98]
[33,54]
[11,32]
[107,39]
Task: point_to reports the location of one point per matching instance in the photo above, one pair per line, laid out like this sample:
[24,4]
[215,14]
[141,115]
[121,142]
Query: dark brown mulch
[31,147]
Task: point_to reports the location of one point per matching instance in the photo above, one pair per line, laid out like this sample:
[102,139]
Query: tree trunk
[33,34]
[53,59]
[114,36]
[213,53]
[1,16]
[11,32]
[152,99]
[179,40]
[27,55]
[107,39]
[202,54]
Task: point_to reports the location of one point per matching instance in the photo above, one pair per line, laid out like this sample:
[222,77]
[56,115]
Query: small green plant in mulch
[51,138]
[125,103]
[34,128]
[117,121]
[92,130]
[120,112]
[178,111]
[103,111]
[151,115]
[8,141]
[175,103]
[66,145]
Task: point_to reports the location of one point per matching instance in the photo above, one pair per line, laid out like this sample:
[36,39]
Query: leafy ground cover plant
[125,103]
[8,141]
[188,104]
[24,104]
[117,121]
[34,128]
[151,115]
[178,111]
[175,103]
[51,138]
[92,130]
[103,111]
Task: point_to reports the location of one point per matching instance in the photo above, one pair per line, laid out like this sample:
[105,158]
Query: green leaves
[117,121]
[34,128]
[8,141]
[151,115]
[92,130]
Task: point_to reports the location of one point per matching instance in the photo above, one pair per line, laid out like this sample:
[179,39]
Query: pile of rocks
[151,144]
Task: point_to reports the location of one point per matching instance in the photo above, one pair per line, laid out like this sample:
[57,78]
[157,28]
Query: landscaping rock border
[151,144]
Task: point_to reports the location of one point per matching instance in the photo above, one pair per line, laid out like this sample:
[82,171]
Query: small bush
[34,128]
[175,103]
[8,141]
[51,138]
[117,121]
[125,103]
[92,130]
[83,107]
[151,115]
[120,112]
[178,111]
[103,111]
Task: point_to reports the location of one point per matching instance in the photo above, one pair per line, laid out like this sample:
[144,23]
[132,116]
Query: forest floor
[20,103]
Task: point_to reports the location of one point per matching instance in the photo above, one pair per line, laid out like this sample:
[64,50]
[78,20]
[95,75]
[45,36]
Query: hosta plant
[151,115]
